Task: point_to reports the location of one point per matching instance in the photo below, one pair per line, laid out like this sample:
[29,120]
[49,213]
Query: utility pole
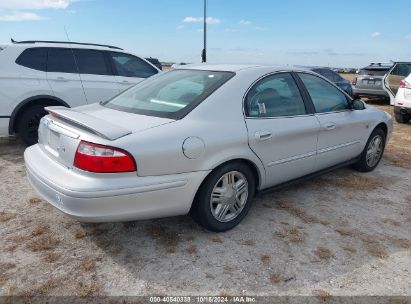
[204,52]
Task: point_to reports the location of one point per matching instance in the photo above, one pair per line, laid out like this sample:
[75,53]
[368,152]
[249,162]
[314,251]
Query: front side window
[325,97]
[33,58]
[61,60]
[172,94]
[91,62]
[274,96]
[132,66]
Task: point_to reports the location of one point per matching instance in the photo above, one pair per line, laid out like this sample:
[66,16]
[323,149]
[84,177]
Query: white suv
[35,74]
[402,103]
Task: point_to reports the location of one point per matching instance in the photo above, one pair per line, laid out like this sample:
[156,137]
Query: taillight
[354,81]
[103,159]
[404,84]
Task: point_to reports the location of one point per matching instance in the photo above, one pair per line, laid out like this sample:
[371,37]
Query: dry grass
[349,249]
[34,200]
[275,278]
[228,269]
[51,257]
[169,239]
[80,233]
[249,243]
[265,259]
[40,229]
[87,289]
[4,216]
[345,231]
[322,295]
[351,182]
[43,289]
[192,250]
[402,243]
[376,251]
[292,234]
[216,239]
[392,222]
[44,242]
[323,253]
[398,156]
[297,212]
[87,265]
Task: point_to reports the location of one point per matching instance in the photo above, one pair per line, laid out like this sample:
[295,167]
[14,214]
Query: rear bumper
[369,92]
[107,198]
[402,110]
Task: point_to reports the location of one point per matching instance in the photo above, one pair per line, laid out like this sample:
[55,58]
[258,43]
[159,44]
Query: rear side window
[325,97]
[33,58]
[91,62]
[274,96]
[61,60]
[131,66]
[402,69]
[373,72]
[171,95]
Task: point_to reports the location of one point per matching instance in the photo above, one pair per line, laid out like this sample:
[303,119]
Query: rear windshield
[374,72]
[172,95]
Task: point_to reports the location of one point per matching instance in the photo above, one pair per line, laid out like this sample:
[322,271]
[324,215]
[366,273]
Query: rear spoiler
[90,123]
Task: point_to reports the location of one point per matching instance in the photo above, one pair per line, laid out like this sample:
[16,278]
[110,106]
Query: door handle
[263,135]
[329,126]
[61,79]
[126,82]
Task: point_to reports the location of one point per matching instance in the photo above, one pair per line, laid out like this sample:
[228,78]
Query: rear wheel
[402,118]
[372,152]
[225,197]
[28,124]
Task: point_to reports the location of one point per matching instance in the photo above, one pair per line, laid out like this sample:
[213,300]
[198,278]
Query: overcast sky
[317,32]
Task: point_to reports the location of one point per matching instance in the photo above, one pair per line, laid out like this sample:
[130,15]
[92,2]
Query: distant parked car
[332,76]
[394,79]
[176,65]
[155,62]
[35,74]
[201,140]
[369,81]
[402,103]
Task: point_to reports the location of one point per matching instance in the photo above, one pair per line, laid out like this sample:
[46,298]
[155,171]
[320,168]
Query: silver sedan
[201,140]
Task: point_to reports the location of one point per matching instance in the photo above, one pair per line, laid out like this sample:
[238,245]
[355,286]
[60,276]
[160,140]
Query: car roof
[236,67]
[64,44]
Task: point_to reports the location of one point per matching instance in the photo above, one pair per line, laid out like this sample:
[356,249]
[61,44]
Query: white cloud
[259,28]
[210,20]
[21,16]
[245,22]
[407,36]
[375,34]
[180,27]
[34,4]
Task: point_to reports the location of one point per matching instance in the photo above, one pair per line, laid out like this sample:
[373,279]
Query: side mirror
[357,104]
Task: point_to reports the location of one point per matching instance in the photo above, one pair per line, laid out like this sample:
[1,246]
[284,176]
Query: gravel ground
[344,233]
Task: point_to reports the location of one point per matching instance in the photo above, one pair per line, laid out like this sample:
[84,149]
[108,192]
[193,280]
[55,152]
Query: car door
[63,76]
[282,131]
[393,78]
[96,74]
[342,129]
[130,69]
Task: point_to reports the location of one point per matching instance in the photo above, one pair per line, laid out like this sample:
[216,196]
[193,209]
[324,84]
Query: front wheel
[372,152]
[225,197]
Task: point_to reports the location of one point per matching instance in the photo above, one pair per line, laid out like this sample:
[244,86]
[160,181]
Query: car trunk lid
[61,132]
[370,79]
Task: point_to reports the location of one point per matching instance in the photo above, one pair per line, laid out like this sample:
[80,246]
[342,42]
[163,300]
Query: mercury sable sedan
[201,140]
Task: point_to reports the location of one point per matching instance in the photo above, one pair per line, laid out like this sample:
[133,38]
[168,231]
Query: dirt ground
[344,233]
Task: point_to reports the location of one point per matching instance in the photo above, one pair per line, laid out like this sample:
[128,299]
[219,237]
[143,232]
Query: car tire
[28,124]
[402,118]
[225,197]
[373,152]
